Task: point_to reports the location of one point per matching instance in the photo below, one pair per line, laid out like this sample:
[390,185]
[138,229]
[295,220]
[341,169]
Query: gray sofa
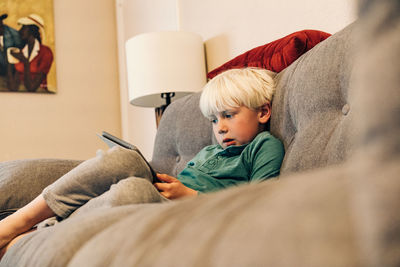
[336,202]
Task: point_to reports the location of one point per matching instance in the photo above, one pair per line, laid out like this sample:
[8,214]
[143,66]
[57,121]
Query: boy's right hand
[172,188]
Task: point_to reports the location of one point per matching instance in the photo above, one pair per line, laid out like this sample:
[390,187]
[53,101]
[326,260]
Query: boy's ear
[264,113]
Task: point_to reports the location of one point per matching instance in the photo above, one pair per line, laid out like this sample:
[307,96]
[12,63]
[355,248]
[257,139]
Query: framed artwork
[27,48]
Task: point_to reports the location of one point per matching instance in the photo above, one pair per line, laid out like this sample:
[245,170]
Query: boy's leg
[23,220]
[92,178]
[128,191]
[88,180]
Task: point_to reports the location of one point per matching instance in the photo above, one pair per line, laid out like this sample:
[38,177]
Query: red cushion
[277,55]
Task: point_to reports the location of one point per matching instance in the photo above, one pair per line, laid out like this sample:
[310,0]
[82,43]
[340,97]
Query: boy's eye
[213,121]
[228,115]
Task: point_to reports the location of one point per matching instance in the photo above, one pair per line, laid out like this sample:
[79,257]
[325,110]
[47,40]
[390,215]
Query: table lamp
[164,66]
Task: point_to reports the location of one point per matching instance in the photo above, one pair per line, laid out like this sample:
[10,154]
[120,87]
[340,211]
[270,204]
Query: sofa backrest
[312,108]
[311,113]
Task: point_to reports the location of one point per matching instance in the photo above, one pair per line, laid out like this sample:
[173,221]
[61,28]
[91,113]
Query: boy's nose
[222,128]
[221,131]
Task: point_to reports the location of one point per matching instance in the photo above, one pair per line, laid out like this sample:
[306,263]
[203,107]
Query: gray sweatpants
[116,177]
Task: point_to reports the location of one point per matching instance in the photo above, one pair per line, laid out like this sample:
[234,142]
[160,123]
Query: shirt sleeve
[267,159]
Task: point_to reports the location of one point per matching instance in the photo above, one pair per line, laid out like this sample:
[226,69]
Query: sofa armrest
[22,180]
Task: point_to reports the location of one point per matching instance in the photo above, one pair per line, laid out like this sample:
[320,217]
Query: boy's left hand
[172,188]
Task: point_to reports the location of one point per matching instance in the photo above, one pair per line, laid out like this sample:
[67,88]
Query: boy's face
[239,126]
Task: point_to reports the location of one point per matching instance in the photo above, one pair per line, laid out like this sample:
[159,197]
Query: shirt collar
[232,150]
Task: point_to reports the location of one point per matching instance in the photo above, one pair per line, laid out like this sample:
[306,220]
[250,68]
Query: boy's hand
[172,188]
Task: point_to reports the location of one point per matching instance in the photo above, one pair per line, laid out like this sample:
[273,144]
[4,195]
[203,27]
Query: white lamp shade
[161,62]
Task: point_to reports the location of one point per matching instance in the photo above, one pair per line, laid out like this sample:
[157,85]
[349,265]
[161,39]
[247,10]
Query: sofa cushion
[276,55]
[312,111]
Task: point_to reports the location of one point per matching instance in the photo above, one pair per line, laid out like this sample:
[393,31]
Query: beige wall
[228,27]
[64,125]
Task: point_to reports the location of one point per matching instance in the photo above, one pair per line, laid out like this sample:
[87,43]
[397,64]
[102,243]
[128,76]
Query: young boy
[238,103]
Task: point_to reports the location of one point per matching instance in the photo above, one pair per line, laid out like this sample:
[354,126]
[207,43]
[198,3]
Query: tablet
[112,141]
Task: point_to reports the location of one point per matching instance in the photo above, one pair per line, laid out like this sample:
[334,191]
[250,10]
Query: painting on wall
[27,46]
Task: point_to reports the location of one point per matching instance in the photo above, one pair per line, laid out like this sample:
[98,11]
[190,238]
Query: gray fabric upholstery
[38,248]
[312,110]
[345,214]
[22,180]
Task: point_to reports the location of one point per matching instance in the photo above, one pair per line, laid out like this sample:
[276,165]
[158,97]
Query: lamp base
[160,110]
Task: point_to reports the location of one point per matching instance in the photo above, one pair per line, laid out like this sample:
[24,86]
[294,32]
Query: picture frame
[27,46]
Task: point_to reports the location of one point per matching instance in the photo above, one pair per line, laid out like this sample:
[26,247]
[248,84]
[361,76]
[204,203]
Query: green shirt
[215,168]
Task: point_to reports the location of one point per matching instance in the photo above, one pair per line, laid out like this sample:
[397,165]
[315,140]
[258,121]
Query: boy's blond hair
[250,87]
